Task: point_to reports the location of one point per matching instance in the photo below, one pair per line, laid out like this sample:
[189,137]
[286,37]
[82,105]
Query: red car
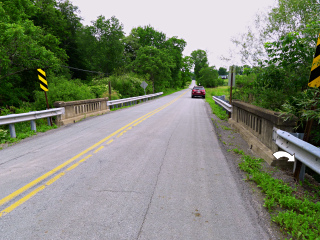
[198,91]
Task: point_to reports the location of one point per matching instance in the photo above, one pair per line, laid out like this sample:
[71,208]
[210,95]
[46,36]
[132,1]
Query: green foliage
[103,44]
[298,217]
[156,64]
[175,48]
[216,109]
[200,60]
[222,71]
[306,106]
[282,47]
[48,34]
[265,87]
[128,85]
[208,77]
[63,89]
[144,43]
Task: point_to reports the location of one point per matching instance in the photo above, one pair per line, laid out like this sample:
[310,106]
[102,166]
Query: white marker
[281,154]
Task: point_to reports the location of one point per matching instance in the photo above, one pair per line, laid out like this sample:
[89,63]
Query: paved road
[120,176]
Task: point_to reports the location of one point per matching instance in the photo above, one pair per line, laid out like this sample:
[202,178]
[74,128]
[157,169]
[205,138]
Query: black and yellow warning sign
[43,80]
[314,80]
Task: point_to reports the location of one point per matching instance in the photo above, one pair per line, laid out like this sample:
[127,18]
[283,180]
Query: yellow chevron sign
[314,80]
[43,80]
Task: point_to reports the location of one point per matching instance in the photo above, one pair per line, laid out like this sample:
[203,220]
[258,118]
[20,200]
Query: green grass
[219,91]
[216,109]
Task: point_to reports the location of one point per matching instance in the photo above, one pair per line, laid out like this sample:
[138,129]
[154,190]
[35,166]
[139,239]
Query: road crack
[156,184]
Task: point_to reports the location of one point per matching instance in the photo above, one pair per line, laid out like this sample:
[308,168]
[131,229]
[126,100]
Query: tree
[208,77]
[200,61]
[24,48]
[222,71]
[108,47]
[142,37]
[155,64]
[148,36]
[175,48]
[186,74]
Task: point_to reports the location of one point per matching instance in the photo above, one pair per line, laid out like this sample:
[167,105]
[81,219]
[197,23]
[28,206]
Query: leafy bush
[100,87]
[128,85]
[208,77]
[63,89]
[267,87]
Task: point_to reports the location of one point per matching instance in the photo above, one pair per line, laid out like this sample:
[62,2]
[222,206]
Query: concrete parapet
[78,110]
[255,124]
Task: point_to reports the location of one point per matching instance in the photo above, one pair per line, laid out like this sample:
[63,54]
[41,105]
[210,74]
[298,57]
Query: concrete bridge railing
[256,124]
[77,110]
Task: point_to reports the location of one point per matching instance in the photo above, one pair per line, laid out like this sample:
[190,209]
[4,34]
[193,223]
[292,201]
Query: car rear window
[199,88]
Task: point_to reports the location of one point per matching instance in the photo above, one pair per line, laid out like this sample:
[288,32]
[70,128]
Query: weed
[225,128]
[298,216]
[236,150]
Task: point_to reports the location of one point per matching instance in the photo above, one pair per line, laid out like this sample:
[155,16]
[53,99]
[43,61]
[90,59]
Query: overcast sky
[203,24]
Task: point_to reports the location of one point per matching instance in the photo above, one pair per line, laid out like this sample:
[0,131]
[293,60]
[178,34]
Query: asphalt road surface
[152,171]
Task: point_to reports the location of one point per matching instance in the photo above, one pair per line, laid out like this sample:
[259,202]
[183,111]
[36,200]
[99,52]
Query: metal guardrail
[11,119]
[223,104]
[132,100]
[305,152]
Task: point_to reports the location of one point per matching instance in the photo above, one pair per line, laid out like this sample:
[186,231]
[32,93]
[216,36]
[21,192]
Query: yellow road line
[41,178]
[98,149]
[53,171]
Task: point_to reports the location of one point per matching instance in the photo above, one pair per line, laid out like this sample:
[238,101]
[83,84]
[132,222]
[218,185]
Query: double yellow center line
[98,146]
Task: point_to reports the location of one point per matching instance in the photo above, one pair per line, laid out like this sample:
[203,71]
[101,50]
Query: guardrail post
[12,130]
[302,170]
[33,125]
[303,166]
[49,122]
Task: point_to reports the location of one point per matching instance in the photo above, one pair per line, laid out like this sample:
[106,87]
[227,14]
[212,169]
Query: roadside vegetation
[79,60]
[297,214]
[216,109]
[278,52]
[294,207]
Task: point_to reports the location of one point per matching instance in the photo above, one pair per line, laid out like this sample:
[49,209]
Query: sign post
[231,82]
[314,81]
[44,86]
[144,85]
[109,83]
